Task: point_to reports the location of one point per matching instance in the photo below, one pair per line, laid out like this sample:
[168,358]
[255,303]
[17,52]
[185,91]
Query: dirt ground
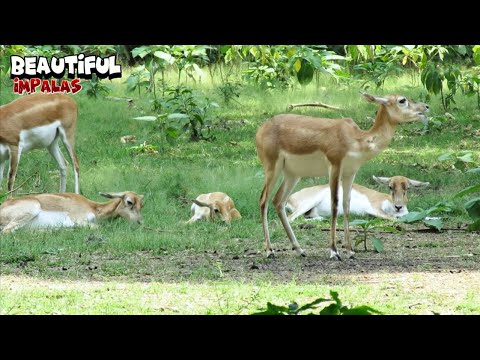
[448,252]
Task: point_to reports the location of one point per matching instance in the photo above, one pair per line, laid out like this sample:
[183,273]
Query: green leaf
[474,226]
[466,158]
[334,295]
[178,116]
[462,50]
[140,51]
[145,118]
[312,304]
[468,190]
[476,54]
[473,171]
[413,216]
[132,82]
[332,309]
[164,56]
[377,244]
[172,132]
[297,65]
[434,224]
[360,222]
[473,208]
[305,74]
[446,156]
[274,310]
[360,310]
[438,208]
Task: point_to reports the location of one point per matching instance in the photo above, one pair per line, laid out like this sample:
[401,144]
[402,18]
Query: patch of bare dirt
[446,253]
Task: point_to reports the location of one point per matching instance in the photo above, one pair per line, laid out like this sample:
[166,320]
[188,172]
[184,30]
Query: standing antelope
[298,146]
[67,210]
[213,205]
[38,121]
[315,201]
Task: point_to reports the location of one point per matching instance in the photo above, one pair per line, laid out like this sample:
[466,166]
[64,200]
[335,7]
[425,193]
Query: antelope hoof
[300,252]
[335,255]
[351,254]
[270,254]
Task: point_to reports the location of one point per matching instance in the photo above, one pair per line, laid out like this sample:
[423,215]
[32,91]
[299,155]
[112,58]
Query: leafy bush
[335,308]
[472,206]
[95,88]
[229,90]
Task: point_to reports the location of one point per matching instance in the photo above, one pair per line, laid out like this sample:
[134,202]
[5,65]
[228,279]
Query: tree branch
[318,104]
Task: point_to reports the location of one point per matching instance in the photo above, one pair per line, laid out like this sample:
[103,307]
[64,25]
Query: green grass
[174,176]
[387,295]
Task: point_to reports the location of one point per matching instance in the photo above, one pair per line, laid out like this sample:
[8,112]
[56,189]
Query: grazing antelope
[38,121]
[298,146]
[67,210]
[314,202]
[214,205]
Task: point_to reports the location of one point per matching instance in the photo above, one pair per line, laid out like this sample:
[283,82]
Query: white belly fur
[359,204]
[38,137]
[51,219]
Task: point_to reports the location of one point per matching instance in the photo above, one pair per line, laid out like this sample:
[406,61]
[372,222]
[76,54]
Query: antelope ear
[376,99]
[381,180]
[416,183]
[142,201]
[112,195]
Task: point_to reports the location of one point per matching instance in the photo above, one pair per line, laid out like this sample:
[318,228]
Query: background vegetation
[192,119]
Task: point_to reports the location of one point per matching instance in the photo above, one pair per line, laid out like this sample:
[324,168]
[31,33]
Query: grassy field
[211,268]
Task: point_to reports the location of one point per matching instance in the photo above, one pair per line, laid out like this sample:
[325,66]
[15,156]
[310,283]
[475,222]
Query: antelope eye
[129,202]
[216,210]
[390,187]
[402,101]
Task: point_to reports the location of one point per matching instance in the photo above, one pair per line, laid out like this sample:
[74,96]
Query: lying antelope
[38,121]
[67,210]
[298,146]
[314,202]
[212,206]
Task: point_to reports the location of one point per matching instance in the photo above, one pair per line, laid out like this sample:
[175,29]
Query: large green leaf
[332,309]
[413,216]
[305,75]
[164,56]
[469,190]
[473,208]
[474,171]
[434,224]
[446,156]
[377,244]
[141,51]
[467,158]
